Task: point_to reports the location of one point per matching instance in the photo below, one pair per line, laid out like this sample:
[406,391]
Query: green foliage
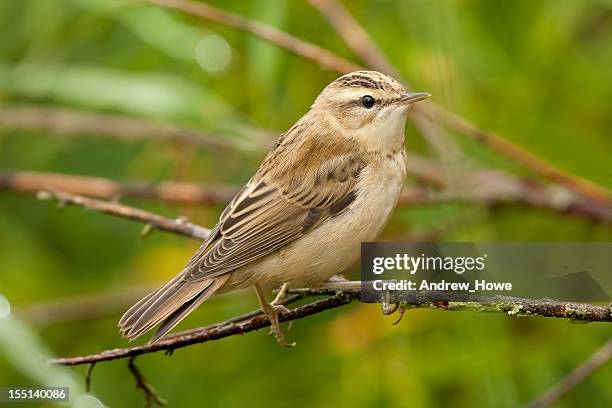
[537,72]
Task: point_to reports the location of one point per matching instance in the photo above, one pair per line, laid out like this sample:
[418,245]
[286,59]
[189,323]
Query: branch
[88,375]
[513,306]
[178,226]
[297,46]
[353,34]
[496,188]
[490,188]
[171,191]
[497,143]
[78,123]
[452,120]
[601,357]
[168,191]
[151,395]
[209,333]
[343,293]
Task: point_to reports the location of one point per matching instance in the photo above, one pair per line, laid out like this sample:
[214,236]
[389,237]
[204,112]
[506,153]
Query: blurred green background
[538,72]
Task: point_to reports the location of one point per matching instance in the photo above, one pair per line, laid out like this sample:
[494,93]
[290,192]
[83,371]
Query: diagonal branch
[355,36]
[170,191]
[151,395]
[503,146]
[153,221]
[299,47]
[597,360]
[350,292]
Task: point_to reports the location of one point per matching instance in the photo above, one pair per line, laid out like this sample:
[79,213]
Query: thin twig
[178,226]
[299,47]
[151,395]
[88,377]
[78,123]
[355,36]
[597,360]
[501,304]
[170,191]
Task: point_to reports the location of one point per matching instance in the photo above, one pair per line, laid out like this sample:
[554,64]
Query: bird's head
[366,105]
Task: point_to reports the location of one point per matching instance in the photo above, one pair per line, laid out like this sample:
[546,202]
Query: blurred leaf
[157,95]
[153,25]
[264,58]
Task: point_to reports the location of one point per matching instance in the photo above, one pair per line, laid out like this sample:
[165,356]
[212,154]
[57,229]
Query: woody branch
[342,293]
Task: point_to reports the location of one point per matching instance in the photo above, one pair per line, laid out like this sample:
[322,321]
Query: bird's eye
[367,101]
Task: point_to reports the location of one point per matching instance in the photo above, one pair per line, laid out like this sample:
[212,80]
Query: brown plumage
[323,169]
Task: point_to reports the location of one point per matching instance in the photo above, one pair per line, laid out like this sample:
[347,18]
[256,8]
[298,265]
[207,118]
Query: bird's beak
[410,98]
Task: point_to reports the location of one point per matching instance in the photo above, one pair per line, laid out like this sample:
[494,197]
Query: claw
[282,309]
[289,326]
[400,310]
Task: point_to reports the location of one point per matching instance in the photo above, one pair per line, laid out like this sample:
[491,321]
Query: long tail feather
[182,312]
[169,304]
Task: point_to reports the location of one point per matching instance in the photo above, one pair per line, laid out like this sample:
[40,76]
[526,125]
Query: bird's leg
[388,308]
[278,302]
[280,296]
[272,310]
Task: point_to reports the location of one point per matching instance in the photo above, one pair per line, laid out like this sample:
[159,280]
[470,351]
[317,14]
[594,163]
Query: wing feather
[277,207]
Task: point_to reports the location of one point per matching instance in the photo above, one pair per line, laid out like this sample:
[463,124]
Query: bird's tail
[169,304]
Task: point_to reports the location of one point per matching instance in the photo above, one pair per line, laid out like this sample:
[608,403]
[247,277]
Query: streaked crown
[363,98]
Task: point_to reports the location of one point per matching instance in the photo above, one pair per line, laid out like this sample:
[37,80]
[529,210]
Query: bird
[330,182]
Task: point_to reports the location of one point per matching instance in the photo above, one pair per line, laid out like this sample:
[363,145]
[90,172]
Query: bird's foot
[390,308]
[278,302]
[272,311]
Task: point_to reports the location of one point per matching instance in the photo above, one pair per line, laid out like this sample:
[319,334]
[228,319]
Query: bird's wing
[290,195]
